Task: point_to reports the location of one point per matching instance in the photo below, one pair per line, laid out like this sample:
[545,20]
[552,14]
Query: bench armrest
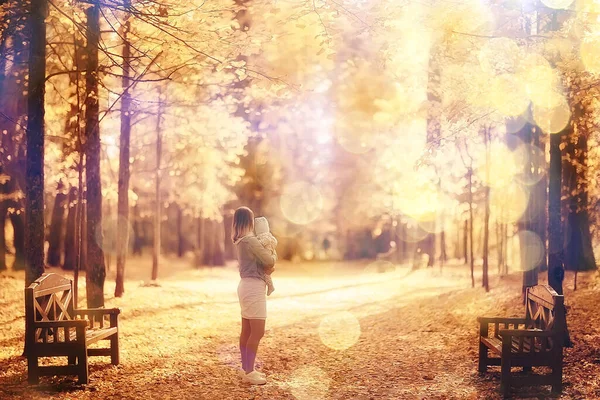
[96,316]
[526,333]
[85,311]
[498,321]
[501,320]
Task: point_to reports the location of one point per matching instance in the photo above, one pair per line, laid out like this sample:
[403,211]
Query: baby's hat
[261,225]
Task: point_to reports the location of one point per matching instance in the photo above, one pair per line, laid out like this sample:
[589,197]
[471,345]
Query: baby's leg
[270,287]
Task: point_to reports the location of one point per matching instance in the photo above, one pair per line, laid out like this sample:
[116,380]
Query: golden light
[529,156]
[503,166]
[309,383]
[412,232]
[339,331]
[301,202]
[499,56]
[552,119]
[509,203]
[514,125]
[508,95]
[590,54]
[542,82]
[379,266]
[558,4]
[353,140]
[531,249]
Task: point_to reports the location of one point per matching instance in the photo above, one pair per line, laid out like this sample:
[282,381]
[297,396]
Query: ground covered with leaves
[334,331]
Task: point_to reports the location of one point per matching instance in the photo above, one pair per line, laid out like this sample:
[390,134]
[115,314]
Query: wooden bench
[53,328]
[536,340]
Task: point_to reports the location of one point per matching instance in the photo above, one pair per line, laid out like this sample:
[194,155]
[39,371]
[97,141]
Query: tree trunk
[96,268]
[433,130]
[81,245]
[443,254]
[180,238]
[71,232]
[34,177]
[157,200]
[209,242]
[466,241]
[3,212]
[579,254]
[55,239]
[471,250]
[20,263]
[219,243]
[498,246]
[529,222]
[137,231]
[200,241]
[486,222]
[124,155]
[229,249]
[555,263]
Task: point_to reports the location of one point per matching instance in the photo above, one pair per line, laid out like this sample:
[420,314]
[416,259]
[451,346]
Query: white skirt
[253,298]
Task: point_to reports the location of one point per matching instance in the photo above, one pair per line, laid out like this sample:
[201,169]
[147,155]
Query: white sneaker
[254,378]
[242,373]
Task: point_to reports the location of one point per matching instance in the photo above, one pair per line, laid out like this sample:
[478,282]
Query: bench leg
[527,369]
[114,349]
[557,377]
[505,377]
[483,357]
[33,375]
[72,360]
[83,366]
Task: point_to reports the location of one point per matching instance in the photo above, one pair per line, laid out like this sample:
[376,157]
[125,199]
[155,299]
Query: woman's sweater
[253,257]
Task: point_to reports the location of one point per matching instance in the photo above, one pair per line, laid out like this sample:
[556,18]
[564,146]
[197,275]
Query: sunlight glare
[509,203]
[301,202]
[590,54]
[509,95]
[309,383]
[552,119]
[531,249]
[339,331]
[503,166]
[558,4]
[526,156]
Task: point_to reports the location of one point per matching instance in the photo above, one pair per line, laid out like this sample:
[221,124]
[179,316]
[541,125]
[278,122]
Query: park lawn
[335,331]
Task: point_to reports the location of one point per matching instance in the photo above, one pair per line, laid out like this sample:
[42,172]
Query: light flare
[509,203]
[339,331]
[531,249]
[309,383]
[301,202]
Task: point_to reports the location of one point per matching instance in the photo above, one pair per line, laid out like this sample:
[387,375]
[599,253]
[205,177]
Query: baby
[261,229]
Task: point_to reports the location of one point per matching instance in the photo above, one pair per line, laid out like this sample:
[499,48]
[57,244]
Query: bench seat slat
[91,336]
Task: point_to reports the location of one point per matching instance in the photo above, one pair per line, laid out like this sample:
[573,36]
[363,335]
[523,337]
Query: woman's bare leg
[244,335]
[257,331]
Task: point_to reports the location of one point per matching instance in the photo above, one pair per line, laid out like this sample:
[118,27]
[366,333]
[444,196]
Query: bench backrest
[49,298]
[545,309]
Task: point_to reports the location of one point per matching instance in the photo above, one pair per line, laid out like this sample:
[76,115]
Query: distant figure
[326,244]
[264,236]
[253,259]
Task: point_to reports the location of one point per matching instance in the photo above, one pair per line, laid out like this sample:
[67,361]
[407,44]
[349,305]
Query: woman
[253,259]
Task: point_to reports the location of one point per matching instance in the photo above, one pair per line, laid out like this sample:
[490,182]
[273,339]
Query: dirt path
[334,332]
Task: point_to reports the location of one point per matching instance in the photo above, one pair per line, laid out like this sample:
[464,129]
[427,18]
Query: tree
[124,162]
[34,187]
[56,227]
[96,269]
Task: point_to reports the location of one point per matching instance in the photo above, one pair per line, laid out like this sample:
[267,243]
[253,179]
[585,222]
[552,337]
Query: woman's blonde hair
[243,222]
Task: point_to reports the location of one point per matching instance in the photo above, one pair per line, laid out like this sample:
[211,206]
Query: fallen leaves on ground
[400,335]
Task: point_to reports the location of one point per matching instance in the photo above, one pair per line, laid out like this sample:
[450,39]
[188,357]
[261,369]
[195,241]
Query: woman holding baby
[256,256]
